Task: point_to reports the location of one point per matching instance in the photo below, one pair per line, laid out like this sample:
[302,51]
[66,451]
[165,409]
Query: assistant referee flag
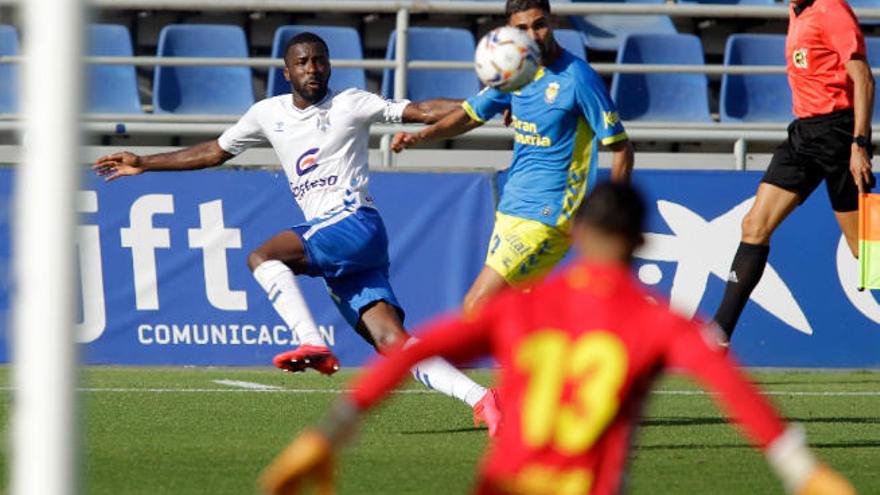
[869,241]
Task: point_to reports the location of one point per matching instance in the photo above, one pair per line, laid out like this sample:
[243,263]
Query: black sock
[745,273]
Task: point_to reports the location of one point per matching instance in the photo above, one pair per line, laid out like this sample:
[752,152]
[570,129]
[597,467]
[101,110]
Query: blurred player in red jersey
[833,97]
[578,355]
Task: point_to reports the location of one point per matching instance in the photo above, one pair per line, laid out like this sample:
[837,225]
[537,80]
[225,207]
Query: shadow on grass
[469,429]
[704,421]
[743,446]
[868,381]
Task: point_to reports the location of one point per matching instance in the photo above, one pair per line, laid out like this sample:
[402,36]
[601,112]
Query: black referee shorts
[817,148]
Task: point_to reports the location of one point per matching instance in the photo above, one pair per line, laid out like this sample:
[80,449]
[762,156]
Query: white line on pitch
[329,391]
[816,393]
[247,385]
[867,393]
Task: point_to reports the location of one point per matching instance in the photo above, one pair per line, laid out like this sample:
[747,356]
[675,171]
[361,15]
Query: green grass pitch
[179,431]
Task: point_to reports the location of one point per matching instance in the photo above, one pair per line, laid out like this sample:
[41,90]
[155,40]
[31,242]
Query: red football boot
[488,412]
[317,357]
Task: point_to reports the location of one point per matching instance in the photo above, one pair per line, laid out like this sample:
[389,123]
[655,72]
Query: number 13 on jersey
[595,365]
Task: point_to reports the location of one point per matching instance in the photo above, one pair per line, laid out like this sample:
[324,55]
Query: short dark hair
[515,6]
[617,209]
[302,38]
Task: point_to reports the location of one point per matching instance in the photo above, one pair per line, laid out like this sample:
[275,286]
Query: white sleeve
[375,108]
[245,133]
[792,459]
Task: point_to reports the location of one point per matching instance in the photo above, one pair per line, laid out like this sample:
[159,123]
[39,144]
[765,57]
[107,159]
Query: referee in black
[833,98]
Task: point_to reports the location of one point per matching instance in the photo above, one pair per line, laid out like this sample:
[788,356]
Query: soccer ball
[507,59]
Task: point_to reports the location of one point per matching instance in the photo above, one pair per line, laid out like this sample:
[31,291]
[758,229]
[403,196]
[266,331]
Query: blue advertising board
[162,263]
[163,270]
[805,312]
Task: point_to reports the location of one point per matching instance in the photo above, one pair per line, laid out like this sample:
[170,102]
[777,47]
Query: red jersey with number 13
[578,355]
[821,40]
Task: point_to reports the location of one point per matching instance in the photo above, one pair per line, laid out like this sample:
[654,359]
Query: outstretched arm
[455,123]
[688,349]
[786,449]
[310,456]
[203,155]
[430,111]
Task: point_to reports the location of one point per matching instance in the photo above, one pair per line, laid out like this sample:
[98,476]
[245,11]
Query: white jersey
[322,148]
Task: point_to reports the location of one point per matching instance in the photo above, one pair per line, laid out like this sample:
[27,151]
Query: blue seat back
[426,43]
[572,41]
[343,42]
[605,32]
[8,72]
[111,88]
[872,46]
[759,97]
[866,4]
[661,97]
[205,89]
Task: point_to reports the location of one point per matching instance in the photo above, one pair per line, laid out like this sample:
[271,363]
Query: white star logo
[700,248]
[848,273]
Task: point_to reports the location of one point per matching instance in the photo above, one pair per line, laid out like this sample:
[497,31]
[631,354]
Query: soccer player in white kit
[321,137]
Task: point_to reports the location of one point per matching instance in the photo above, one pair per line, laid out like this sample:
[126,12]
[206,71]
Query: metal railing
[404,8]
[257,62]
[447,7]
[563,8]
[740,135]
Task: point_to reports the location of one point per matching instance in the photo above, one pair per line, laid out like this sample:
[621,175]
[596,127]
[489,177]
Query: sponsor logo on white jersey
[307,162]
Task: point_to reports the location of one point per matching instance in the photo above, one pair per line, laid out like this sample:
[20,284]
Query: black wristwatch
[863,142]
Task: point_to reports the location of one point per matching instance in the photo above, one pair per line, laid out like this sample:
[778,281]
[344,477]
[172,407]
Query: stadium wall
[162,265]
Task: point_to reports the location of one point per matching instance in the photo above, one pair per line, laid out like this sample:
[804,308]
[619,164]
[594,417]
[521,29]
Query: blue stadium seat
[572,41]
[111,88]
[8,72]
[605,32]
[344,43]
[872,46]
[755,98]
[426,43]
[866,4]
[202,90]
[661,97]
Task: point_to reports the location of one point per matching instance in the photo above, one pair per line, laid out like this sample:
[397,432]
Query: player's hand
[116,165]
[507,117]
[403,140]
[826,481]
[860,168]
[308,458]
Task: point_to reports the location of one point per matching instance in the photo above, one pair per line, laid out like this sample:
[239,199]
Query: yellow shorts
[521,249]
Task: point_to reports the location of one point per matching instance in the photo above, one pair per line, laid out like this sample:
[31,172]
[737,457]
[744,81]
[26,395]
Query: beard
[308,93]
[547,49]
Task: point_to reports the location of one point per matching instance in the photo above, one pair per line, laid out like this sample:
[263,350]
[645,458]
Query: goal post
[44,417]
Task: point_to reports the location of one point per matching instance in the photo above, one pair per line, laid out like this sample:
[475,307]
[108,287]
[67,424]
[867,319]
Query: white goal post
[44,417]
